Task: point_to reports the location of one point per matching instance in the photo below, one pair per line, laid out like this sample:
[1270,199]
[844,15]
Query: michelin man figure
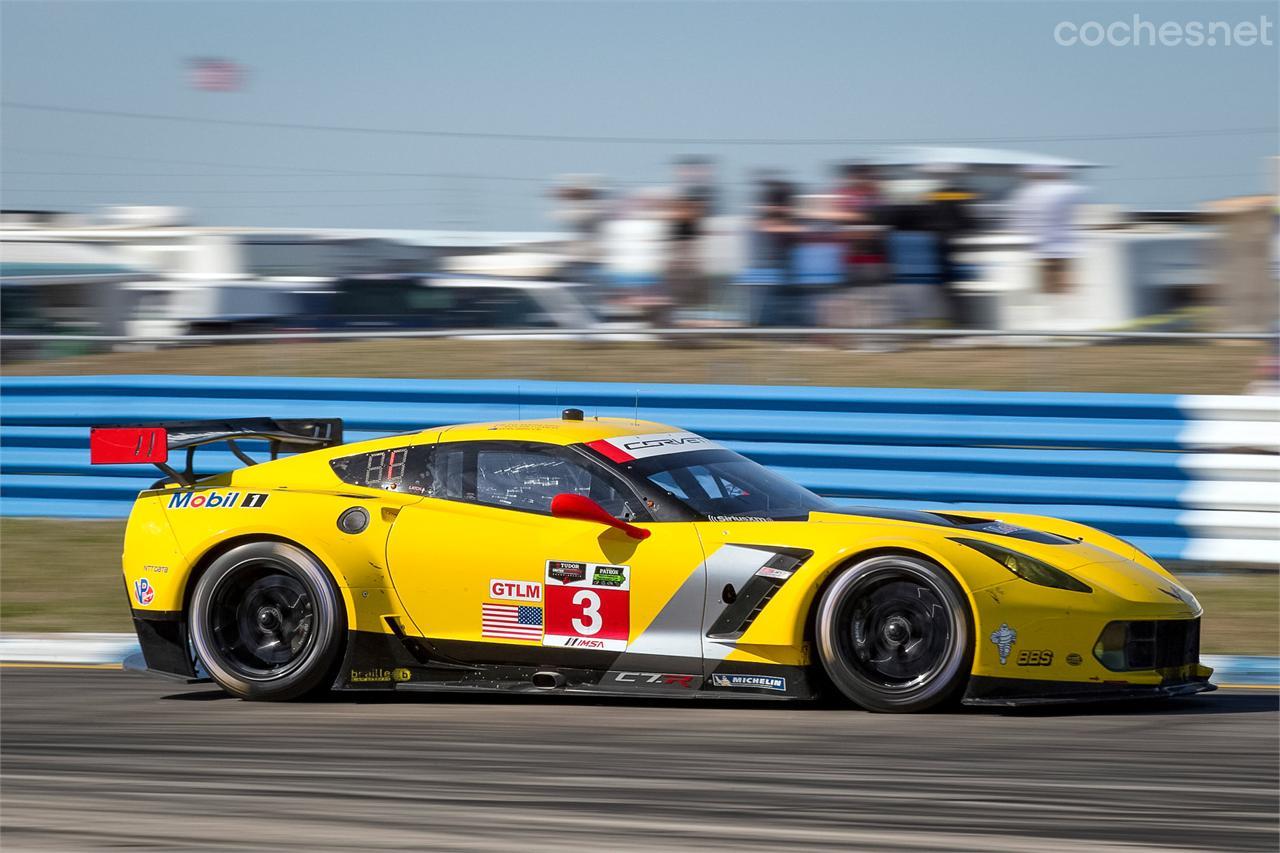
[1004,638]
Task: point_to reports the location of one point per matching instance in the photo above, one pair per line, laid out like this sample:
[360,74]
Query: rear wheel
[267,622]
[894,634]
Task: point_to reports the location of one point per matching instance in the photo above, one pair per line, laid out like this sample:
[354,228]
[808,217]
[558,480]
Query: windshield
[720,485]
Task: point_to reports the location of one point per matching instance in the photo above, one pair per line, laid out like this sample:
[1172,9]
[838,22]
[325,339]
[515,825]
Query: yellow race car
[616,557]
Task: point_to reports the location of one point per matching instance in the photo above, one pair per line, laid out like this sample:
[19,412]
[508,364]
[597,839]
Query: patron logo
[757,682]
[515,590]
[566,572]
[215,499]
[609,575]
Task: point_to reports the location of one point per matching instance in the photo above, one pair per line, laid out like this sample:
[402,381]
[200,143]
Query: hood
[1065,552]
[957,522]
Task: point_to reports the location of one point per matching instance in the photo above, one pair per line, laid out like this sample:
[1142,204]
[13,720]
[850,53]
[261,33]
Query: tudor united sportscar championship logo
[143,591]
[1004,638]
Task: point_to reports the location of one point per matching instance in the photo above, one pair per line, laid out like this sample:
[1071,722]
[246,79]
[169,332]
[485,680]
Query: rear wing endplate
[140,443]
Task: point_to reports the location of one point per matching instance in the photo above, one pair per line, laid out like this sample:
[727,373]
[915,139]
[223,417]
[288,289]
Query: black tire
[895,635]
[267,622]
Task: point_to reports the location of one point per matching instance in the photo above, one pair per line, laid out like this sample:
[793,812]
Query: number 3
[590,604]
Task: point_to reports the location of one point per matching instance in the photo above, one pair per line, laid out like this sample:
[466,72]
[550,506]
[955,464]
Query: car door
[488,575]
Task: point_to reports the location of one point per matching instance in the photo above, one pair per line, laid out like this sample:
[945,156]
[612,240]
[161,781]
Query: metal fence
[1193,478]
[606,333]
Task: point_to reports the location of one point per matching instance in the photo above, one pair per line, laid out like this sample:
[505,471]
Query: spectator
[865,300]
[582,208]
[772,239]
[693,200]
[818,258]
[1044,209]
[948,217]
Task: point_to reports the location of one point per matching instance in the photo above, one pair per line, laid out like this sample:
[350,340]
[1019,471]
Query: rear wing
[138,443]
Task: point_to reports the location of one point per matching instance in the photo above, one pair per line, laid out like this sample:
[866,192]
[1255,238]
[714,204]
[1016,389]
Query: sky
[765,83]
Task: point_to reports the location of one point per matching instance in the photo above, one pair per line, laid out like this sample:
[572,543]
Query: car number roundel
[588,605]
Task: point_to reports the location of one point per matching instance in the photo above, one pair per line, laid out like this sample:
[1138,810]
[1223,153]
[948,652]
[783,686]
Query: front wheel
[267,622]
[894,634]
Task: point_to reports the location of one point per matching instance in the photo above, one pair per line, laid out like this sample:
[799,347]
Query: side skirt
[389,662]
[1018,692]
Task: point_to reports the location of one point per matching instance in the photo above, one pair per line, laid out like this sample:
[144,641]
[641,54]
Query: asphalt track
[95,759]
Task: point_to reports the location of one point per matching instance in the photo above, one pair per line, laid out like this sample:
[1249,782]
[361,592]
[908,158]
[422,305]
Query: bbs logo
[1035,657]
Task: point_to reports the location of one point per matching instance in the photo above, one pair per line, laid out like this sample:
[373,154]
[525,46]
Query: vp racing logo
[143,591]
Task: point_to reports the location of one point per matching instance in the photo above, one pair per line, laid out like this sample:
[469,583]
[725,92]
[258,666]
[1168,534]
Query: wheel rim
[896,630]
[262,619]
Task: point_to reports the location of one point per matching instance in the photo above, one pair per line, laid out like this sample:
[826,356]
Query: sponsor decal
[771,572]
[216,499]
[515,590]
[143,591]
[661,679]
[366,676]
[583,643]
[1004,637]
[631,447]
[1074,659]
[558,570]
[160,570]
[588,605]
[610,576]
[511,621]
[400,674]
[759,682]
[738,518]
[1035,657]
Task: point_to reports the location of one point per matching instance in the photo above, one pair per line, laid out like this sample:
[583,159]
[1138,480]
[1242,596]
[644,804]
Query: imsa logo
[215,499]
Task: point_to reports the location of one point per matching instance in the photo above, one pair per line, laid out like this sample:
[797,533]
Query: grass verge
[58,575]
[1200,368]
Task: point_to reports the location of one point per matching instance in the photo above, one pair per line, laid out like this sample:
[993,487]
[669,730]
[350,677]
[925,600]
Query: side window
[525,476]
[399,469]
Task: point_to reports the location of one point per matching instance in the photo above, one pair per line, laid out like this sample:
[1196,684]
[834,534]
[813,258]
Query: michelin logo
[1004,637]
[761,682]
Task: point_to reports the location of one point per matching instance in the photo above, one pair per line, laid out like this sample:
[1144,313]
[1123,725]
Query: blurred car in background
[473,306]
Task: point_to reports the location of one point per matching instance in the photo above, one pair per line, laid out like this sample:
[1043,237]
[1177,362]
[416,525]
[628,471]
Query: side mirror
[568,505]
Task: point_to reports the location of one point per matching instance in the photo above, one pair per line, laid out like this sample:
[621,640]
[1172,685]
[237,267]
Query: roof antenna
[517,402]
[636,419]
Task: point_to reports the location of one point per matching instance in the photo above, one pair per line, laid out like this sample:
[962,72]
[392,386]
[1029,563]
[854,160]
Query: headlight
[1027,568]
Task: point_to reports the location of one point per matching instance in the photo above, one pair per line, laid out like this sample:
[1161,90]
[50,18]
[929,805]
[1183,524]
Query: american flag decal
[511,622]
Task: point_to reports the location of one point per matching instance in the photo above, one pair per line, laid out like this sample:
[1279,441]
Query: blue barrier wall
[1118,462]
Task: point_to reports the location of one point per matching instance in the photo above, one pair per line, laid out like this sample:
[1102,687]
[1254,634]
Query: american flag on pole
[511,621]
[212,74]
